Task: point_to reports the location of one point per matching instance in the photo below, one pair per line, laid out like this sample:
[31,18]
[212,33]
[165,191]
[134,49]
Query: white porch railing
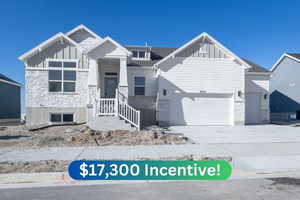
[129,114]
[106,106]
[118,106]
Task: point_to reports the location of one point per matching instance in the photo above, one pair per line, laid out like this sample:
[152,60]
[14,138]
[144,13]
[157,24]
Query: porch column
[92,85]
[123,83]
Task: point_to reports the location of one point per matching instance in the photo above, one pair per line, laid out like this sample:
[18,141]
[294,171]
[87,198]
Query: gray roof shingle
[255,67]
[158,53]
[295,55]
[3,77]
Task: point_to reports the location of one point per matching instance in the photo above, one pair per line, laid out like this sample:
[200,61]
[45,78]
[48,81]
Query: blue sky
[258,30]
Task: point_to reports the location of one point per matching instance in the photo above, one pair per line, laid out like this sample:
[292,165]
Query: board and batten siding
[203,49]
[58,50]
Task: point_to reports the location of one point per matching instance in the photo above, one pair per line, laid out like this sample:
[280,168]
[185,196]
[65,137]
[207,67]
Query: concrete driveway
[259,147]
[240,134]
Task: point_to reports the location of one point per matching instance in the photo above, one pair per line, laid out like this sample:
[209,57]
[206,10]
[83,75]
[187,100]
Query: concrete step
[106,123]
[267,163]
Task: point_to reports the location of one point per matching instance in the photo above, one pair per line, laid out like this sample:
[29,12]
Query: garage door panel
[206,109]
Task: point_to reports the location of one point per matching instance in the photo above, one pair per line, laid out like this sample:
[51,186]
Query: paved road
[275,189]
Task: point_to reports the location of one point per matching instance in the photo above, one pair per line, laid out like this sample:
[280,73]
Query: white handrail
[118,106]
[129,114]
[106,106]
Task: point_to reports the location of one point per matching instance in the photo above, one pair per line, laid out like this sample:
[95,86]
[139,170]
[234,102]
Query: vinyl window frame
[62,69]
[61,117]
[139,86]
[138,55]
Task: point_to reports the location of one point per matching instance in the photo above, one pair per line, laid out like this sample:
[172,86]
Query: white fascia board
[140,67]
[179,49]
[259,73]
[81,26]
[45,44]
[98,44]
[9,82]
[204,34]
[281,58]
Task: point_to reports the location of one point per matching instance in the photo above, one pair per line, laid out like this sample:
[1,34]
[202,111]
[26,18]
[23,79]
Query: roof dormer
[140,52]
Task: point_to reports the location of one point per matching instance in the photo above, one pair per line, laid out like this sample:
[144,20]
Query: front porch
[108,85]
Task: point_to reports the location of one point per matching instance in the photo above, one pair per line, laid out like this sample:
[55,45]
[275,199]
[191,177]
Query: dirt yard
[81,135]
[62,166]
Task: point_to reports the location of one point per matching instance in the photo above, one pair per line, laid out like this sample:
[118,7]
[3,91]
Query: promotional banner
[149,170]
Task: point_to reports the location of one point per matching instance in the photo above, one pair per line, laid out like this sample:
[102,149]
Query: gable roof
[204,35]
[46,44]
[82,27]
[294,56]
[106,39]
[255,67]
[5,79]
[158,53]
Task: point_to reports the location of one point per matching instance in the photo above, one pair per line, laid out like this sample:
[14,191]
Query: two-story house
[81,77]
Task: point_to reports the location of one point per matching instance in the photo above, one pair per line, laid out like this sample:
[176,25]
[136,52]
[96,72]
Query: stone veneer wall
[40,102]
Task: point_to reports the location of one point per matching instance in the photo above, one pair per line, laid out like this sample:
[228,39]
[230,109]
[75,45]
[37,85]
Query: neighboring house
[82,77]
[284,87]
[10,102]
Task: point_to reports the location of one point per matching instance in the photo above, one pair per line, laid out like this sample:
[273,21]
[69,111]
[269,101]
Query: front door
[110,84]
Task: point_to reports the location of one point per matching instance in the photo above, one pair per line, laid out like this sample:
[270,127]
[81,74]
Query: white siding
[84,39]
[151,80]
[259,84]
[107,49]
[58,51]
[193,75]
[197,74]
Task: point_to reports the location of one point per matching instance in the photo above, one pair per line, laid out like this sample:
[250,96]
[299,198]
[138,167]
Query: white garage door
[252,110]
[206,109]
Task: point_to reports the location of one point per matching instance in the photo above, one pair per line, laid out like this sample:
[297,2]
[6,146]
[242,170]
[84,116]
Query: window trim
[61,115]
[138,54]
[62,69]
[139,85]
[62,60]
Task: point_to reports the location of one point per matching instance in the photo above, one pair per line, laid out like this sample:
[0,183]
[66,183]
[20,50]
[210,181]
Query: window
[61,117]
[139,54]
[62,76]
[165,92]
[135,54]
[139,85]
[114,74]
[68,118]
[142,54]
[55,117]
